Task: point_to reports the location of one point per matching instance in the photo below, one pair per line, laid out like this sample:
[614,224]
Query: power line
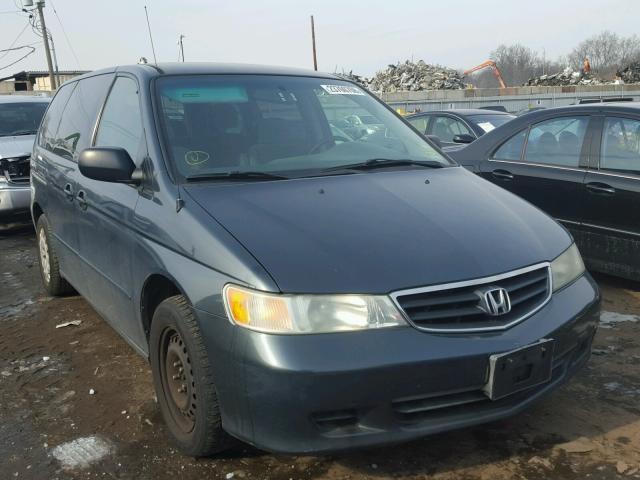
[20,59]
[15,41]
[64,32]
[15,48]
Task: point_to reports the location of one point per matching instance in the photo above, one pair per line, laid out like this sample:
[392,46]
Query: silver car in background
[20,116]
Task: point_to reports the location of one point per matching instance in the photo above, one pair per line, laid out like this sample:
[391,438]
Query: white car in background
[20,116]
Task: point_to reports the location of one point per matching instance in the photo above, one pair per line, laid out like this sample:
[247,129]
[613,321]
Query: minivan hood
[382,231]
[17,146]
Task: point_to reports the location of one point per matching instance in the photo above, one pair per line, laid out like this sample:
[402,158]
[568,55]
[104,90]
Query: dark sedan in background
[580,164]
[456,128]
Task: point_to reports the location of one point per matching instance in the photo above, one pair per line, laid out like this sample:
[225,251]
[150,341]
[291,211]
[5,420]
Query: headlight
[275,313]
[566,267]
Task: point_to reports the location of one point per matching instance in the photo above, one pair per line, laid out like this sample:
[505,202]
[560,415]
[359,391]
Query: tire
[187,396]
[53,281]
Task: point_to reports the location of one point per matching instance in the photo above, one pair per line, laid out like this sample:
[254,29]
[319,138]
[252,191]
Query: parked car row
[304,271]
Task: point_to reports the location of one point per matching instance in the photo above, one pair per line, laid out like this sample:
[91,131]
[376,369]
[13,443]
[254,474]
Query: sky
[363,36]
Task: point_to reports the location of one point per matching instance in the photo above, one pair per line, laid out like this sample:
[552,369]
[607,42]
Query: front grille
[15,170]
[457,306]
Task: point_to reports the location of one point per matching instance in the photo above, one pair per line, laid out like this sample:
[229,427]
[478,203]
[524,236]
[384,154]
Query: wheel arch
[156,288]
[36,212]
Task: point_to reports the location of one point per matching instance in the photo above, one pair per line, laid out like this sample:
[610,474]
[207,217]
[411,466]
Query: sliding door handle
[68,191]
[82,201]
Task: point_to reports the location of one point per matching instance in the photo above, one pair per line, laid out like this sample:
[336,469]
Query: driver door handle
[600,188]
[502,174]
[68,191]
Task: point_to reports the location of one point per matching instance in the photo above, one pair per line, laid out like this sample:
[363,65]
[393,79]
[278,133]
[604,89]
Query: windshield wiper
[22,132]
[375,163]
[235,176]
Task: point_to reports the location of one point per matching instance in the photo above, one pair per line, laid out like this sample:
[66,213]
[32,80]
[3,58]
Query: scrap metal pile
[631,73]
[566,77]
[362,81]
[410,76]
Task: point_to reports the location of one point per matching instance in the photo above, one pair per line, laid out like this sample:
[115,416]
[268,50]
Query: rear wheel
[183,380]
[53,281]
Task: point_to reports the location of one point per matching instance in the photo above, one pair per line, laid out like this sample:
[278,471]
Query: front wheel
[183,380]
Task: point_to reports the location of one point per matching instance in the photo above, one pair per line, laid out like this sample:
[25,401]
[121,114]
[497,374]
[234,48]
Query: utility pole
[313,41]
[45,37]
[180,42]
[55,59]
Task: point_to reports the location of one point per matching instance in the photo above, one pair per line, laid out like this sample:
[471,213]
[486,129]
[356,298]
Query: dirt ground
[588,429]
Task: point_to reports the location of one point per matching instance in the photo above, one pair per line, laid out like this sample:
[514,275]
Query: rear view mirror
[434,140]
[463,138]
[108,164]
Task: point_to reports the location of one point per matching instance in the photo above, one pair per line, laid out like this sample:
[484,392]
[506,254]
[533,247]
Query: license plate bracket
[519,369]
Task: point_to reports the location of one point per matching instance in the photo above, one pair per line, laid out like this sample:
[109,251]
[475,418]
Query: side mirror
[435,140]
[108,164]
[463,138]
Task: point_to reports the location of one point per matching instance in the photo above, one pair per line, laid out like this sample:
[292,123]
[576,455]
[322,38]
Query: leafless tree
[516,62]
[606,52]
[629,50]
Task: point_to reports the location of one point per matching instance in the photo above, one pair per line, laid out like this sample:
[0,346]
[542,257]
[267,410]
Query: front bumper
[14,200]
[318,393]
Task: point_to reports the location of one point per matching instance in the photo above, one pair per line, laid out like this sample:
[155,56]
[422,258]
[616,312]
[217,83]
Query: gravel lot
[51,427]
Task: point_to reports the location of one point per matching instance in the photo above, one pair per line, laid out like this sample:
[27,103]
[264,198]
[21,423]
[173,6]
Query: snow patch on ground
[82,452]
[621,389]
[610,319]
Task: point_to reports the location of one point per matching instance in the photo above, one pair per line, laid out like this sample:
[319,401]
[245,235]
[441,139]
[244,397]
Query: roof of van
[201,68]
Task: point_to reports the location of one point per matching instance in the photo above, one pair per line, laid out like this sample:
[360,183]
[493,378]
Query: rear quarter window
[51,121]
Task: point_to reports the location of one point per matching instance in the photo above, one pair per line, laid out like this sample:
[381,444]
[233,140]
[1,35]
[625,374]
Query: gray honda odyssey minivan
[296,281]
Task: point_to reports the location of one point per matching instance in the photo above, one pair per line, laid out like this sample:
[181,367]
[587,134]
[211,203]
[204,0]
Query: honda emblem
[494,301]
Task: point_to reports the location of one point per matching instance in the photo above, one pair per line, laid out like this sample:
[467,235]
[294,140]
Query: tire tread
[58,285]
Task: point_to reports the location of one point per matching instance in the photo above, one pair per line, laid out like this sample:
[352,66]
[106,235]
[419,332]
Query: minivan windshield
[280,127]
[17,118]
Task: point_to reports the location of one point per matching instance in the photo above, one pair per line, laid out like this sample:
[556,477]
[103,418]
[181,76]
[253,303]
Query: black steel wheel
[183,380]
[177,379]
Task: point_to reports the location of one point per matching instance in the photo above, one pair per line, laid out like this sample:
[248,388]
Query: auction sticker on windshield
[486,126]
[342,90]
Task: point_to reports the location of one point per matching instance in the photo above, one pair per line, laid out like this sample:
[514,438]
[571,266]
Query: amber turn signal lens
[237,301]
